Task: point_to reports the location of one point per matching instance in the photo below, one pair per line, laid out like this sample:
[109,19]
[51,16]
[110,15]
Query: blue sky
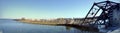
[45,9]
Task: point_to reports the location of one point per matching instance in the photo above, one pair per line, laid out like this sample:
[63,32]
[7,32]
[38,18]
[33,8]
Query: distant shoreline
[38,22]
[55,24]
[58,24]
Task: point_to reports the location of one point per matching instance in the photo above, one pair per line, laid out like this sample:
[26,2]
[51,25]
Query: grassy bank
[39,22]
[90,28]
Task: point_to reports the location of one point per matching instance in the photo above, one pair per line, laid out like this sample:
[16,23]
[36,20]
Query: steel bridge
[105,9]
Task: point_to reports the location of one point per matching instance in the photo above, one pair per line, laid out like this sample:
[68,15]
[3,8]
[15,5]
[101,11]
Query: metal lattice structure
[105,17]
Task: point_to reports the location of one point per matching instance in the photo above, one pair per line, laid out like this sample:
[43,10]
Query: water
[11,26]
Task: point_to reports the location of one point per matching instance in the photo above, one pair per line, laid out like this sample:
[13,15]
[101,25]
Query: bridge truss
[105,10]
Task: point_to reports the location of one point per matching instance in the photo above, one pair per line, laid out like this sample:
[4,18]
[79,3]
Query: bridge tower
[109,14]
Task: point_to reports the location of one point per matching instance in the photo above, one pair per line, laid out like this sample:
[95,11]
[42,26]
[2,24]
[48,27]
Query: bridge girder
[104,18]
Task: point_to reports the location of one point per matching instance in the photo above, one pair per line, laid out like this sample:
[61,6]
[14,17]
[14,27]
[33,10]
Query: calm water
[11,26]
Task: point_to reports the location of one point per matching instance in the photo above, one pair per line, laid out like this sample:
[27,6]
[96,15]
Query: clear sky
[45,9]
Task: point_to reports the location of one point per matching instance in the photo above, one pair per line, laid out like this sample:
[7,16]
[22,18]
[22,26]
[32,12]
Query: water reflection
[80,28]
[10,26]
[68,27]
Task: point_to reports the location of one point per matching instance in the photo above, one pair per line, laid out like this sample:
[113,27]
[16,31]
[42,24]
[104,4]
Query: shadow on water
[82,28]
